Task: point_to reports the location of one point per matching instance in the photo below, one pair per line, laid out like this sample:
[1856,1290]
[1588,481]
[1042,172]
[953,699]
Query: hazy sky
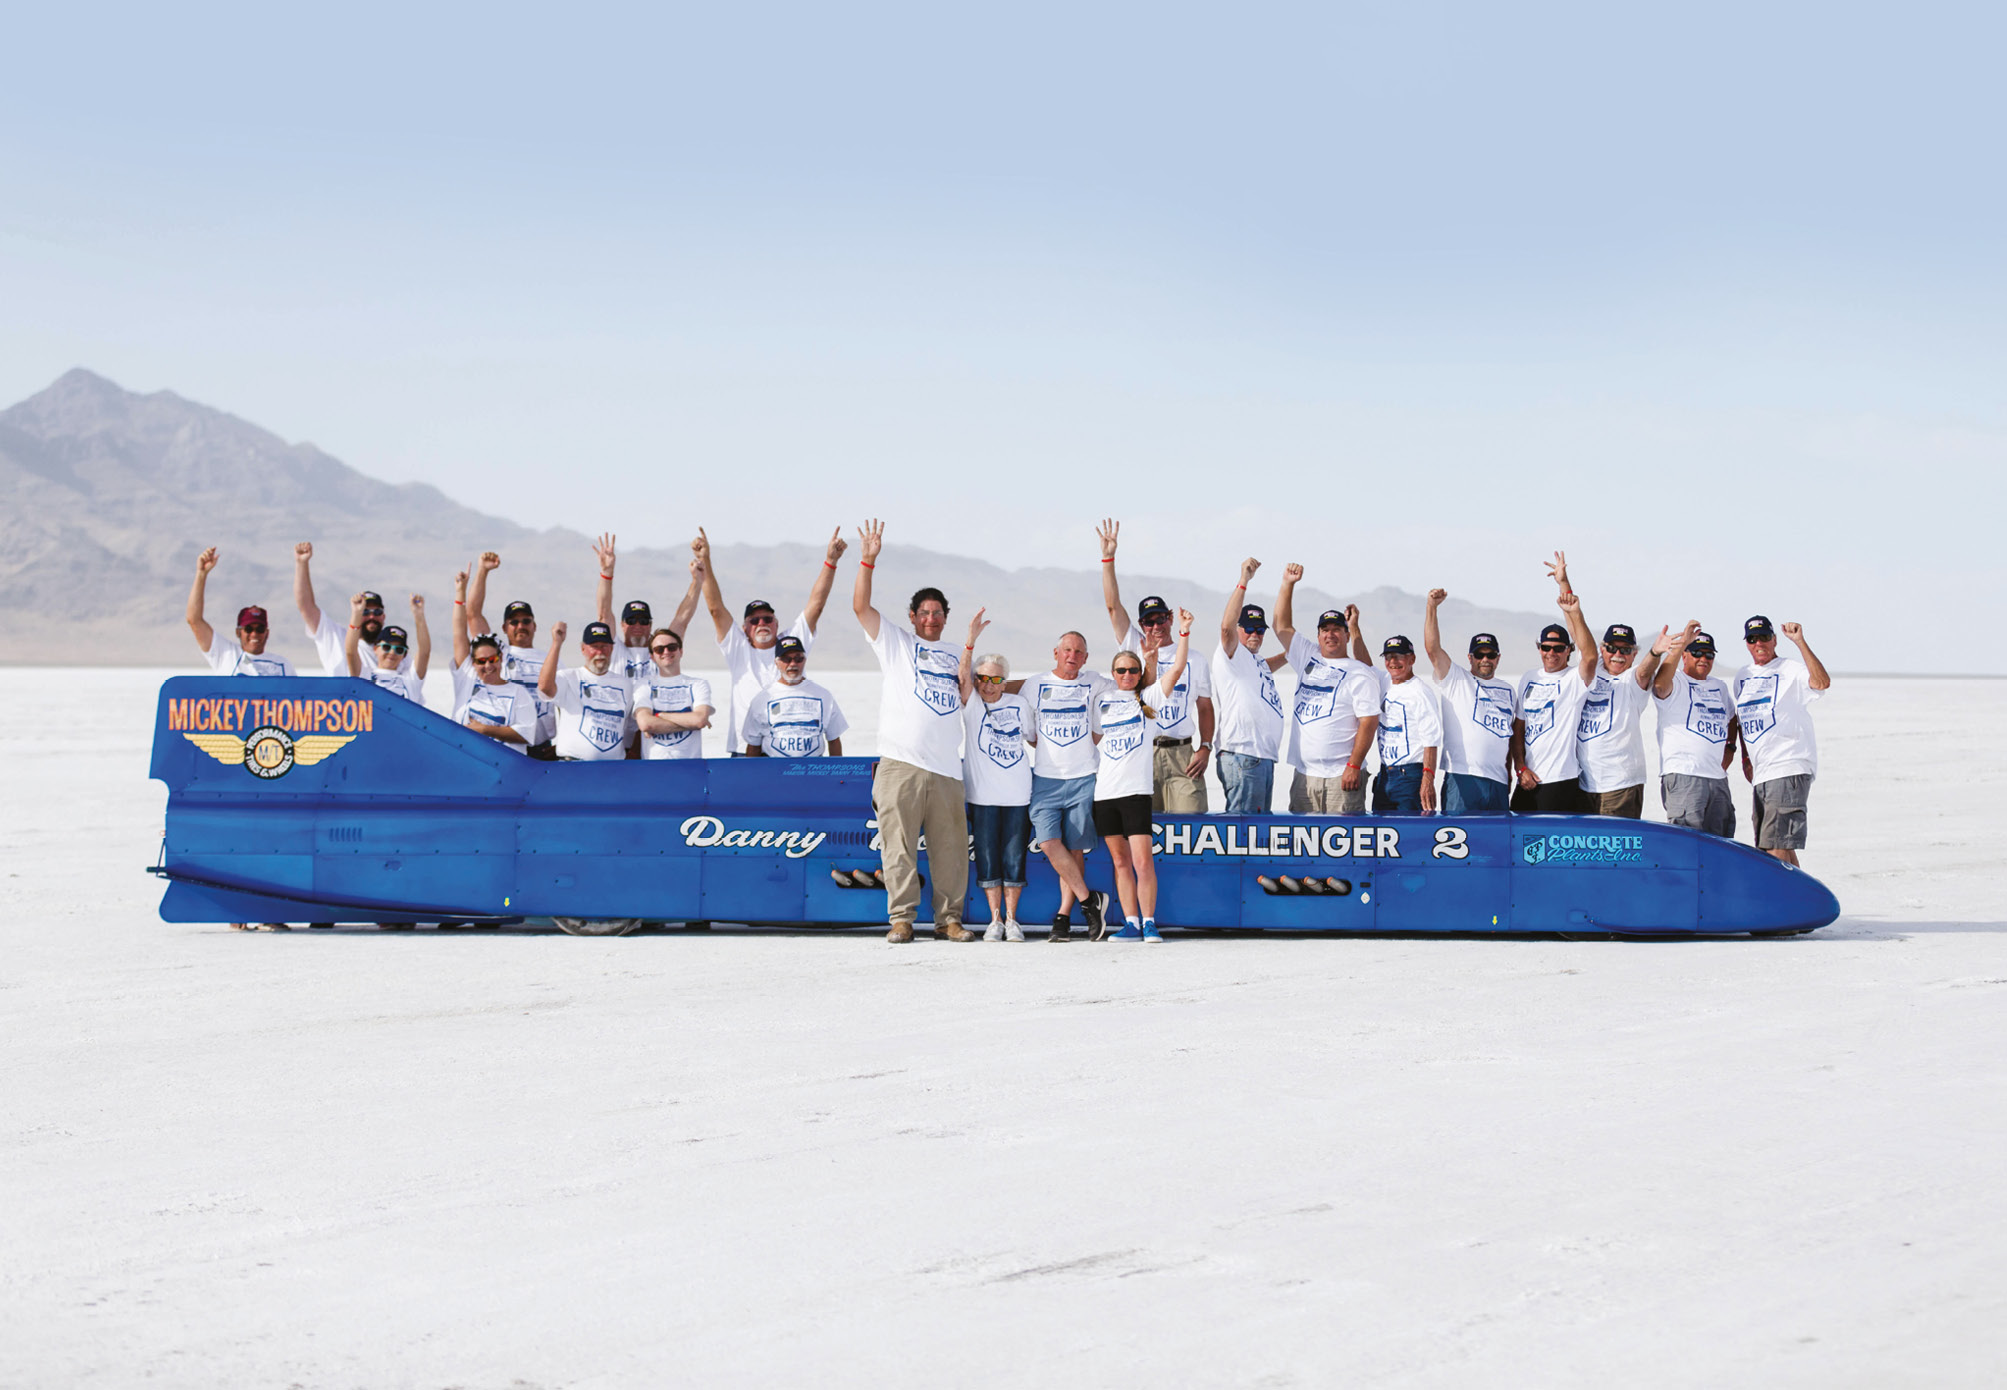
[1714,296]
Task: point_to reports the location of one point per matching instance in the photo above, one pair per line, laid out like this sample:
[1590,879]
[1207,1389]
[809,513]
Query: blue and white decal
[602,714]
[1491,710]
[666,697]
[1268,691]
[795,722]
[1122,727]
[1065,721]
[1393,736]
[1598,711]
[1756,705]
[1539,700]
[937,679]
[1706,715]
[1000,738]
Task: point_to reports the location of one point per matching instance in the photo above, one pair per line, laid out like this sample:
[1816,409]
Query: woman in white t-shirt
[1123,720]
[996,772]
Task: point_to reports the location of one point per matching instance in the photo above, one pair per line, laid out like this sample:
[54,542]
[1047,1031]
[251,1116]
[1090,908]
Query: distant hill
[114,494]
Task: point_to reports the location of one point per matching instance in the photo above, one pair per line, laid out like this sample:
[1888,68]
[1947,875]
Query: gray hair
[996,659]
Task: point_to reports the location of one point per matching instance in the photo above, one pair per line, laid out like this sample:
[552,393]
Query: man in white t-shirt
[917,784]
[1337,711]
[386,666]
[594,701]
[1611,734]
[671,709]
[1477,721]
[1410,737]
[483,699]
[1780,754]
[1062,776]
[794,717]
[1178,767]
[243,655]
[329,635]
[1250,713]
[631,657]
[1697,733]
[1547,710]
[748,646]
[522,659]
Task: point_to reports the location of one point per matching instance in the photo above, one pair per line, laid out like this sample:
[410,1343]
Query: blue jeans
[1467,794]
[1397,791]
[1000,834]
[1249,783]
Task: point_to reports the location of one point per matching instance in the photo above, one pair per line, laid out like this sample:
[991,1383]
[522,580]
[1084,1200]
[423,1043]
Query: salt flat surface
[524,1159]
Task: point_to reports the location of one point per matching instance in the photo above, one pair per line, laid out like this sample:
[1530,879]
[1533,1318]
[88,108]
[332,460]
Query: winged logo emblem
[270,752]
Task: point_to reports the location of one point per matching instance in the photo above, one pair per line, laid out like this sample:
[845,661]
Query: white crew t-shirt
[920,705]
[752,671]
[1178,714]
[1248,716]
[405,683]
[522,666]
[1611,733]
[1332,695]
[507,703]
[1477,725]
[635,663]
[678,694]
[1062,716]
[1551,705]
[794,721]
[996,761]
[1693,726]
[594,715]
[1123,757]
[226,657]
[1774,704]
[1411,722]
[331,645]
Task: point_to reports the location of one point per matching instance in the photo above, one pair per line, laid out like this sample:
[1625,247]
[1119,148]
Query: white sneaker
[1012,931]
[995,933]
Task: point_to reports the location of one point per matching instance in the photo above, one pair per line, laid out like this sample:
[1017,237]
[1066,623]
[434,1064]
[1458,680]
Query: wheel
[602,926]
[1786,931]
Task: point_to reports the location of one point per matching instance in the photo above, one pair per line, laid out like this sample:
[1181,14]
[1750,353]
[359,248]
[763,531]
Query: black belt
[1171,742]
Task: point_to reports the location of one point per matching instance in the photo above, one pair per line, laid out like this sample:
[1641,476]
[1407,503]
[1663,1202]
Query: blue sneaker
[1129,932]
[1150,930]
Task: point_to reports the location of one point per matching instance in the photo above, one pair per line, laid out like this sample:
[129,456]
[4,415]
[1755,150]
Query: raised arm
[460,643]
[1230,619]
[421,637]
[351,643]
[603,549]
[687,609]
[966,673]
[1432,634]
[547,678]
[825,578]
[1361,651]
[1285,604]
[1814,668]
[871,535]
[303,585]
[1646,671]
[1662,680]
[1585,641]
[721,617]
[1168,681]
[1110,531]
[477,593]
[205,635]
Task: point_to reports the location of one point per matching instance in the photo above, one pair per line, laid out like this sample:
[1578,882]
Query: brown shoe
[953,931]
[901,931]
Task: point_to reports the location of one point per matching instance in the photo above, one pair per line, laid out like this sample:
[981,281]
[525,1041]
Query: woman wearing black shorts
[1124,723]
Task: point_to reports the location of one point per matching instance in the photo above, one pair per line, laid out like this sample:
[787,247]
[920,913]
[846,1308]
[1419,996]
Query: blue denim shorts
[1001,834]
[1062,809]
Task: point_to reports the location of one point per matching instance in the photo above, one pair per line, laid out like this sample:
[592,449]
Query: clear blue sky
[1712,296]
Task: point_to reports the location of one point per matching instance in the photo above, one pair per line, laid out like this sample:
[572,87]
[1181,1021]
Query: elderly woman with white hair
[996,771]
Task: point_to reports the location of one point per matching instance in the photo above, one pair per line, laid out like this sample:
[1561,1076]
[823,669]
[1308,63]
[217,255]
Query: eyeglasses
[1553,646]
[367,611]
[1615,649]
[764,620]
[487,661]
[989,680]
[395,649]
[1164,621]
[794,660]
[664,650]
[1128,671]
[255,627]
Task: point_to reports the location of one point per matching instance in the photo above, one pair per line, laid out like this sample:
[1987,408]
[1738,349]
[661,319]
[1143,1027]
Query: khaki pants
[1173,791]
[911,800]
[1630,802]
[1326,796]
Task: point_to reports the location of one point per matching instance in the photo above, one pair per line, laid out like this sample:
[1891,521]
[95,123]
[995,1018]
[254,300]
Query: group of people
[1071,757]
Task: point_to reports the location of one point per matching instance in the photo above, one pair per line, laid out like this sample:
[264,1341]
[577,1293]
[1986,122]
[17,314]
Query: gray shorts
[1326,796]
[1780,812]
[1698,803]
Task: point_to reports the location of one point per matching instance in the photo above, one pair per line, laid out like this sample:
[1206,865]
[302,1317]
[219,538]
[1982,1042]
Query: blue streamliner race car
[332,800]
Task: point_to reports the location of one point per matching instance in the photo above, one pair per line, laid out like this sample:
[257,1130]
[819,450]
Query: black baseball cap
[393,637]
[1151,609]
[1701,645]
[1758,629]
[518,609]
[636,612]
[1484,644]
[756,605]
[1554,632]
[1252,619]
[1397,645]
[1620,635]
[789,646]
[1333,617]
[595,634]
[370,600]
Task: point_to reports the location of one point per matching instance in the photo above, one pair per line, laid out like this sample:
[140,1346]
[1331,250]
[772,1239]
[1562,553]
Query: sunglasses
[763,620]
[793,660]
[664,649]
[1553,646]
[1164,621]
[395,648]
[1618,648]
[989,680]
[254,627]
[487,661]
[1128,670]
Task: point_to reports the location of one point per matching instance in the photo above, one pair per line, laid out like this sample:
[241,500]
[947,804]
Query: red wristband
[460,602]
[827,565]
[1107,559]
[606,576]
[867,564]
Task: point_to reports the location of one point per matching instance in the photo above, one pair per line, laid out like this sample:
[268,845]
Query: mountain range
[115,494]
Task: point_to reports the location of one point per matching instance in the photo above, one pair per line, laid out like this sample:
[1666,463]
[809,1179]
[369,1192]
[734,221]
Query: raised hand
[1662,643]
[1557,569]
[355,610]
[697,569]
[701,548]
[460,586]
[490,560]
[872,535]
[1184,622]
[1292,573]
[1794,631]
[206,561]
[977,624]
[417,605]
[1247,568]
[1352,616]
[1685,637]
[837,545]
[1436,597]
[303,552]
[1569,601]
[603,548]
[557,634]
[1108,530]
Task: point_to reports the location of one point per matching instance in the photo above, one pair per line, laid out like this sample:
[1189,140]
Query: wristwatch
[1207,746]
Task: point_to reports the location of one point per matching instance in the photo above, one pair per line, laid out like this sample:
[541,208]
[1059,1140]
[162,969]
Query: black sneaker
[1062,927]
[1091,910]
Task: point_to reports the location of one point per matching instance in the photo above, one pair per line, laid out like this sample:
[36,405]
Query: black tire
[600,926]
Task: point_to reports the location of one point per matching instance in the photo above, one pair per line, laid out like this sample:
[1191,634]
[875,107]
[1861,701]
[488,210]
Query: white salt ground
[523,1159]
